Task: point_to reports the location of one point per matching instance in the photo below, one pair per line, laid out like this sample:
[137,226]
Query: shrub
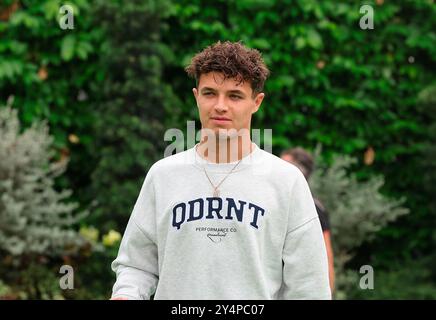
[36,220]
[357,211]
[34,217]
[132,109]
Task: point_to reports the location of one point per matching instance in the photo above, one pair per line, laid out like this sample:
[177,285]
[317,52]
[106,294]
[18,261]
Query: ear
[195,91]
[258,101]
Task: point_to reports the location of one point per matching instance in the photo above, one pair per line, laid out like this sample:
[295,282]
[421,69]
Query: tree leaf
[67,47]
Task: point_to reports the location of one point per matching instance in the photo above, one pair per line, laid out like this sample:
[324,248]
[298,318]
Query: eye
[235,97]
[208,93]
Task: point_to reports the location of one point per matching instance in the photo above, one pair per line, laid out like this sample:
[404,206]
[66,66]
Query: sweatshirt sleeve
[136,265]
[305,267]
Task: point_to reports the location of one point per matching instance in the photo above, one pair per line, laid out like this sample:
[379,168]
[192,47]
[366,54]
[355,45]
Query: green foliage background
[106,85]
[132,106]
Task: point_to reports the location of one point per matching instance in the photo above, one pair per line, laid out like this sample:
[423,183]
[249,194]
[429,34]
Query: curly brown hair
[234,61]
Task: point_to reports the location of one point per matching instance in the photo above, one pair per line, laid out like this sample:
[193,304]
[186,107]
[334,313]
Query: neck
[225,150]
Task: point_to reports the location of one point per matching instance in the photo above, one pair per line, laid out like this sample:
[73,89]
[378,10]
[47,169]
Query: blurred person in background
[303,160]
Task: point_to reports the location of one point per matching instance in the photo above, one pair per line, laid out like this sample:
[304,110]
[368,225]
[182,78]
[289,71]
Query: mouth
[220,120]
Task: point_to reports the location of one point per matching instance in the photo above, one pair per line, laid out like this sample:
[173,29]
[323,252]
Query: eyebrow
[230,91]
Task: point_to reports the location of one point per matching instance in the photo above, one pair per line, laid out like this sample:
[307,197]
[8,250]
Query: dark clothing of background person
[323,215]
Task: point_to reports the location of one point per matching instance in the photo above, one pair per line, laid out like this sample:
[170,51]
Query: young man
[304,161]
[218,221]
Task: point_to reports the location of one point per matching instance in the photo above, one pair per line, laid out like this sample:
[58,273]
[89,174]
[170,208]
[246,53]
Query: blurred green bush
[36,221]
[411,280]
[357,210]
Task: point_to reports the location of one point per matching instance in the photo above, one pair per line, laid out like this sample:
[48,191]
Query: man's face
[288,158]
[225,104]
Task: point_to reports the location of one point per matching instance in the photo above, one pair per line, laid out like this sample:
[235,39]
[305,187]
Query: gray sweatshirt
[259,239]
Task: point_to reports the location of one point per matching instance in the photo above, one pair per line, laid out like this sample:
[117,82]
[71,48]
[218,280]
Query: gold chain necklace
[216,191]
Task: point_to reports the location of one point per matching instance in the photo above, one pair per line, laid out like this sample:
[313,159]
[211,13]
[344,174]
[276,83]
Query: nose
[220,105]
